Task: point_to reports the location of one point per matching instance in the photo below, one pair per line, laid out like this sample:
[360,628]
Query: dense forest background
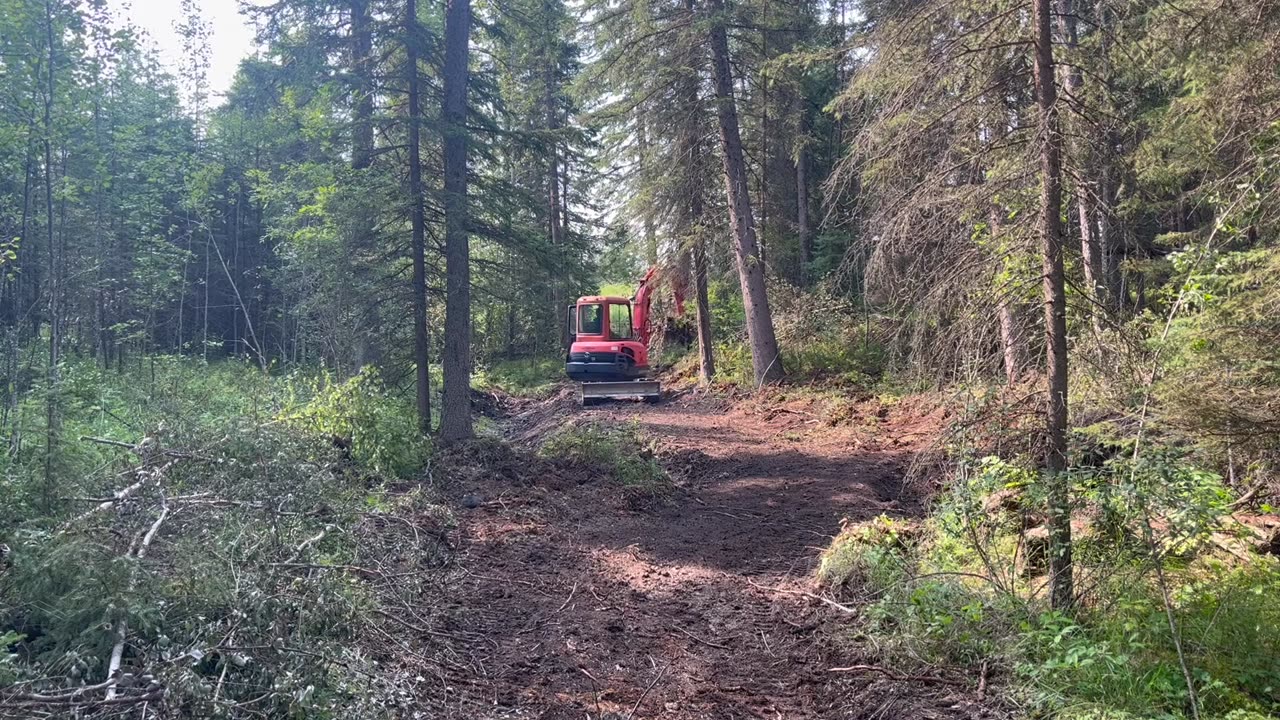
[986,200]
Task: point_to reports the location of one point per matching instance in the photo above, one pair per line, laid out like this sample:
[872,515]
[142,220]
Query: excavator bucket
[647,390]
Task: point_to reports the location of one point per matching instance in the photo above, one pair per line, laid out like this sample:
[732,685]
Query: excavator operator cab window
[619,322]
[590,320]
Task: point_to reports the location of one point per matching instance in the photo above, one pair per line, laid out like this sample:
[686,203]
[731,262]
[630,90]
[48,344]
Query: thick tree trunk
[362,87]
[421,336]
[1055,314]
[366,316]
[764,345]
[455,413]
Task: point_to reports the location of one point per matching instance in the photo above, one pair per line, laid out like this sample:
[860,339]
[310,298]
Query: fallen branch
[646,692]
[144,475]
[117,652]
[826,600]
[896,676]
[708,643]
[567,600]
[297,553]
[142,448]
[80,700]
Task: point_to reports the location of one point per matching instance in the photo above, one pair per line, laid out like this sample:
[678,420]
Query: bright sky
[232,34]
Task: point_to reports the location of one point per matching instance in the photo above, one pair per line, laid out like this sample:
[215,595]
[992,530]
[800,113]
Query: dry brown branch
[646,692]
[895,676]
[803,593]
[708,643]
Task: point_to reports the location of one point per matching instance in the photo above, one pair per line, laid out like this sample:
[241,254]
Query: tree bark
[366,318]
[421,336]
[362,90]
[1055,314]
[455,414]
[764,344]
[802,195]
[691,139]
[55,281]
[555,218]
[1013,341]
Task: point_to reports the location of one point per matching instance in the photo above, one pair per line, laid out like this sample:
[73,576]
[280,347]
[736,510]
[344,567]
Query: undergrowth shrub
[870,556]
[528,377]
[380,428]
[821,336]
[969,587]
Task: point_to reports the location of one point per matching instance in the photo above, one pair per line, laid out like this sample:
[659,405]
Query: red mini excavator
[609,354]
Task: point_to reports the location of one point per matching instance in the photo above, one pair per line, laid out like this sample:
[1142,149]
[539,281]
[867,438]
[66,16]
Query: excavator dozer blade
[649,390]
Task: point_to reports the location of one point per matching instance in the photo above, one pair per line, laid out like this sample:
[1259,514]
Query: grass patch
[623,454]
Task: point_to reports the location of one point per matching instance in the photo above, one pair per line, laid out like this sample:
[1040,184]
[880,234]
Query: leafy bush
[1119,657]
[381,430]
[871,554]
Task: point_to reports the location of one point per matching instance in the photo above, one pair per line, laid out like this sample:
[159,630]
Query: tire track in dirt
[581,607]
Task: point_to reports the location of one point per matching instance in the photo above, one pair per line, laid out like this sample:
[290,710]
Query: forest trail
[581,607]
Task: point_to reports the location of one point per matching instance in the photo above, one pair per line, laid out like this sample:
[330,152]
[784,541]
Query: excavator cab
[605,343]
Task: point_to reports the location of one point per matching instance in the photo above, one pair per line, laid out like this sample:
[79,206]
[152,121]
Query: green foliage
[622,454]
[871,554]
[839,360]
[823,339]
[8,672]
[617,289]
[728,316]
[531,377]
[243,579]
[1118,659]
[966,592]
[381,428]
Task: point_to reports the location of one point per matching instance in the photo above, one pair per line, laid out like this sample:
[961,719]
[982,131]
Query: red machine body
[611,336]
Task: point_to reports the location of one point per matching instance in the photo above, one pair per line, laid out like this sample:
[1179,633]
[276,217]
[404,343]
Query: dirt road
[579,606]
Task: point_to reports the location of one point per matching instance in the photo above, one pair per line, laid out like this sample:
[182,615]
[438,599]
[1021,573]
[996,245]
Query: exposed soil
[576,604]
